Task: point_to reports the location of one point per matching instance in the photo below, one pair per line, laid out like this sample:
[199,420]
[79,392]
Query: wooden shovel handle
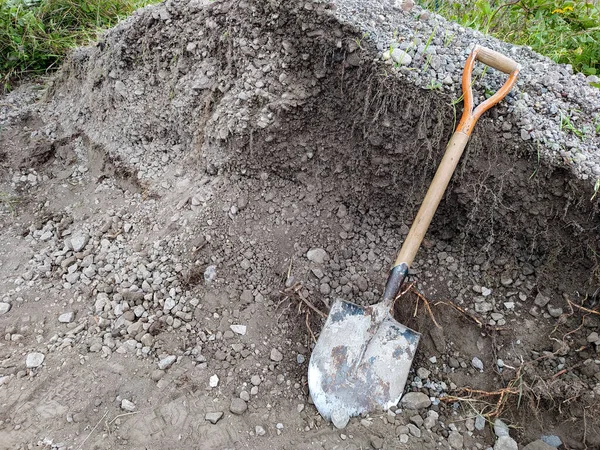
[456,146]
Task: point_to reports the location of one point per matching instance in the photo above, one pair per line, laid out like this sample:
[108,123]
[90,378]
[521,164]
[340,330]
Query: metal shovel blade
[361,360]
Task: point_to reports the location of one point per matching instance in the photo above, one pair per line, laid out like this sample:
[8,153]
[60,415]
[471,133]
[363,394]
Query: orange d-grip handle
[492,59]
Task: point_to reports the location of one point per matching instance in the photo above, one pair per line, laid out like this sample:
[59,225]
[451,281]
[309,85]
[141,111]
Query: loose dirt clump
[203,182]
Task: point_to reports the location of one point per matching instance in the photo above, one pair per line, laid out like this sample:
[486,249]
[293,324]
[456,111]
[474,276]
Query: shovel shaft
[454,150]
[432,199]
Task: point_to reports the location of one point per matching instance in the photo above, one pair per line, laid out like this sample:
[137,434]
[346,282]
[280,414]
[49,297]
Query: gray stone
[255,380]
[4,308]
[157,375]
[276,355]
[127,405]
[239,329]
[541,300]
[300,358]
[552,440]
[479,422]
[238,406]
[401,57]
[456,440]
[259,430]
[414,430]
[340,418]
[505,443]
[34,360]
[500,428]
[317,255]
[477,363]
[169,304]
[417,420]
[593,338]
[167,362]
[554,311]
[415,400]
[376,442]
[429,422]
[79,241]
[213,417]
[423,373]
[66,317]
[538,445]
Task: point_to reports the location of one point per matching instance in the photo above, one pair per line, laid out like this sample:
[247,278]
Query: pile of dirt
[196,189]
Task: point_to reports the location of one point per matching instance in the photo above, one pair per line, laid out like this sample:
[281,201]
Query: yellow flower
[563,10]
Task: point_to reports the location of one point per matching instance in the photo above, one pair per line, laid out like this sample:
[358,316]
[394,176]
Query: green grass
[36,34]
[566,31]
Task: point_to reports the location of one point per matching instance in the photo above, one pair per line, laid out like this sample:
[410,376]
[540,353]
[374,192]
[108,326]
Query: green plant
[566,124]
[566,31]
[596,189]
[433,85]
[10,202]
[36,34]
[358,41]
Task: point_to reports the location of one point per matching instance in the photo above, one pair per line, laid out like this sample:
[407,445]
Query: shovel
[361,360]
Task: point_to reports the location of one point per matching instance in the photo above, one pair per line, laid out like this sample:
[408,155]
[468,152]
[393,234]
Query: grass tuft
[566,31]
[36,34]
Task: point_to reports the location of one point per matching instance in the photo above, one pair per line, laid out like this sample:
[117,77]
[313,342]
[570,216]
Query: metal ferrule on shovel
[361,360]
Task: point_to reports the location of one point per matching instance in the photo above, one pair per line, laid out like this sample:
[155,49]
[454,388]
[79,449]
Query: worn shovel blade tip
[358,366]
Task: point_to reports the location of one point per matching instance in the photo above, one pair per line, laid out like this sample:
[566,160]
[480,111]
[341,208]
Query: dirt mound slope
[161,202]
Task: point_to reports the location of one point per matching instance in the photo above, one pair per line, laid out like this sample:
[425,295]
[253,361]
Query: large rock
[415,400]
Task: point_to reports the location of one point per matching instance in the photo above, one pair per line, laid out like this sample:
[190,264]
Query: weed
[538,162]
[566,124]
[596,189]
[359,41]
[433,85]
[566,31]
[36,34]
[10,202]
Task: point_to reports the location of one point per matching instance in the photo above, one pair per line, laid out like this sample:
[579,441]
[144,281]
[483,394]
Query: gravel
[238,329]
[66,317]
[213,417]
[538,445]
[505,443]
[79,241]
[552,440]
[276,355]
[238,406]
[317,255]
[127,405]
[477,363]
[4,308]
[456,440]
[500,428]
[415,401]
[34,360]
[167,362]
